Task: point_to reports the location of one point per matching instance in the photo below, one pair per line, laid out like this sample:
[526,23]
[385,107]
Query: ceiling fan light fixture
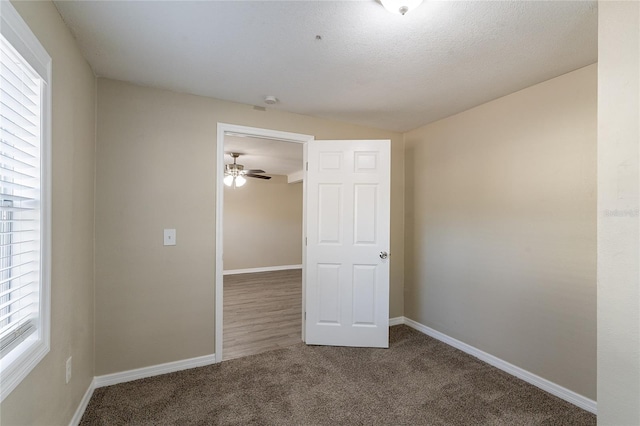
[234,174]
[400,7]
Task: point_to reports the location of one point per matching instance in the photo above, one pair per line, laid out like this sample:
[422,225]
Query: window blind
[21,95]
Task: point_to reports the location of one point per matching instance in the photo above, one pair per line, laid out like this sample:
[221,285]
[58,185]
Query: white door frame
[224,128]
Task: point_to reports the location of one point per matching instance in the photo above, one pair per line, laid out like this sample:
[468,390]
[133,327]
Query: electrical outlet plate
[68,370]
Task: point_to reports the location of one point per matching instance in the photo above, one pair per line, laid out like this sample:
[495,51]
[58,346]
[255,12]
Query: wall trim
[539,382]
[263,269]
[396,321]
[77,416]
[295,177]
[153,370]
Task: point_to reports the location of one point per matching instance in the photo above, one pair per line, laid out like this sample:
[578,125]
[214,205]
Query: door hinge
[307,166]
[305,315]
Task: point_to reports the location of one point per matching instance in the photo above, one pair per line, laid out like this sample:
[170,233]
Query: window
[25,114]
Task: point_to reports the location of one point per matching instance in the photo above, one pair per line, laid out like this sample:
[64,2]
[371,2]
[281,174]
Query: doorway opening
[259,241]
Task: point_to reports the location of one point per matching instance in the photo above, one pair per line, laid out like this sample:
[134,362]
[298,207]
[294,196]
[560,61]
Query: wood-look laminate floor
[262,312]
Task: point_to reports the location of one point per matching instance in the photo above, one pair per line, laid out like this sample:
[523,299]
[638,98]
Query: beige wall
[501,228]
[263,224]
[43,397]
[618,221]
[156,158]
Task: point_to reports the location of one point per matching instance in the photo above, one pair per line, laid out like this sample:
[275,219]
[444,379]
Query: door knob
[384,255]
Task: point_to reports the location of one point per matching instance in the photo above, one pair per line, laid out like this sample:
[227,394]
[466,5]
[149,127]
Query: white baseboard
[396,321]
[75,420]
[154,370]
[264,269]
[544,384]
[139,373]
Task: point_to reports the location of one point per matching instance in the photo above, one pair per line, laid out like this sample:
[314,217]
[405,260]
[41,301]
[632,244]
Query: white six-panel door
[347,231]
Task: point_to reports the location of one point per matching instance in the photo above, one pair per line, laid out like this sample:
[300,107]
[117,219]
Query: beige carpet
[417,381]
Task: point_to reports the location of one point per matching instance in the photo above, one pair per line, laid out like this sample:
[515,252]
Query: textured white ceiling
[370,67]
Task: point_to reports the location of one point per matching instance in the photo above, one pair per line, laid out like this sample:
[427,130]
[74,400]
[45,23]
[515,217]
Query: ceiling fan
[235,174]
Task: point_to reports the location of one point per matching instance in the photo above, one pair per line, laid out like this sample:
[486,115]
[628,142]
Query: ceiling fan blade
[254,171]
[257,176]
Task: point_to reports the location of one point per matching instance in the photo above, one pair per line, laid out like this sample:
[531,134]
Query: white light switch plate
[169,237]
